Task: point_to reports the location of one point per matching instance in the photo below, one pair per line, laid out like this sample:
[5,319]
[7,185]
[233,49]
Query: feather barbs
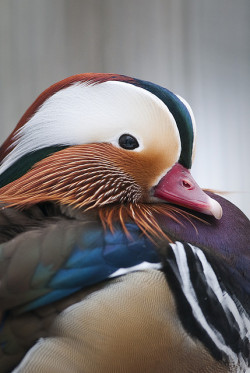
[81,176]
[145,216]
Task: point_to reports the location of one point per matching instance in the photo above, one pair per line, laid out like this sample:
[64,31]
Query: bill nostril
[186,184]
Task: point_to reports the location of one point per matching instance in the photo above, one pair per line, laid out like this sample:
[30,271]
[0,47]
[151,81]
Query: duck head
[93,140]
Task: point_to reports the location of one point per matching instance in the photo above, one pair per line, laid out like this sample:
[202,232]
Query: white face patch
[83,113]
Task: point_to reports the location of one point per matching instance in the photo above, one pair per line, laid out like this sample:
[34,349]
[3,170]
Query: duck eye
[128,142]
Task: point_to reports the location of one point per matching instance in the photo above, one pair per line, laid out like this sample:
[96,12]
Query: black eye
[128,142]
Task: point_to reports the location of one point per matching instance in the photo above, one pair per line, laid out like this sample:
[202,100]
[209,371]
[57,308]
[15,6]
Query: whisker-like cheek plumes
[82,176]
[93,176]
[146,216]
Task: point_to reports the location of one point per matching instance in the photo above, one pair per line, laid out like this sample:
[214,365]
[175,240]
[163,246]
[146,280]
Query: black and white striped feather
[207,306]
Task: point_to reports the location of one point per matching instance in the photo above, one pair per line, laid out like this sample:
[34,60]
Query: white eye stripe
[83,113]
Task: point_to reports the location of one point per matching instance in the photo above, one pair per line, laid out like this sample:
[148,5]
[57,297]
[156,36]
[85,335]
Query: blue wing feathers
[95,257]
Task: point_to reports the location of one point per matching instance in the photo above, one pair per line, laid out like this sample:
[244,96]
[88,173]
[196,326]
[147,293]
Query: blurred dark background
[199,49]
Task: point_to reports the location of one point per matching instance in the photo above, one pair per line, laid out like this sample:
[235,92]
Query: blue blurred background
[199,49]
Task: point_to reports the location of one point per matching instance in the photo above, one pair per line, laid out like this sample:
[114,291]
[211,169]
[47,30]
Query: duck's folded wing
[43,265]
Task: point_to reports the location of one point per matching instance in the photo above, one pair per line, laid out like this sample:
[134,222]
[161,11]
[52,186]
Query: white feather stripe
[83,113]
[224,298]
[189,109]
[190,295]
[139,267]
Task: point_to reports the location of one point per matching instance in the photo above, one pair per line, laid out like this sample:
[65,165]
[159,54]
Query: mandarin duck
[112,258]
